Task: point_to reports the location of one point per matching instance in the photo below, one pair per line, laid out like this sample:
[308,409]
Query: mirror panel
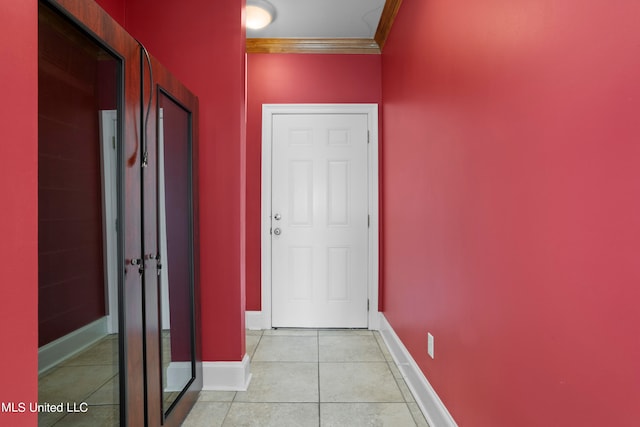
[79,84]
[176,248]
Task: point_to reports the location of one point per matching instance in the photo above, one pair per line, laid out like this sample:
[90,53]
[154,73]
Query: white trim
[253,320]
[109,166]
[165,315]
[226,376]
[178,373]
[430,404]
[49,355]
[268,110]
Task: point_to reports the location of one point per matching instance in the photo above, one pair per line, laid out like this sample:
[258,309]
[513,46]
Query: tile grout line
[235,394]
[397,380]
[319,364]
[226,414]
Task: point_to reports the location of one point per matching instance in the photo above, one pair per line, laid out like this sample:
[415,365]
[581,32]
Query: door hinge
[368,221]
[367,305]
[368,137]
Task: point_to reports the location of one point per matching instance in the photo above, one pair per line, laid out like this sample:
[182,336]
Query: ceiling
[325,26]
[322,18]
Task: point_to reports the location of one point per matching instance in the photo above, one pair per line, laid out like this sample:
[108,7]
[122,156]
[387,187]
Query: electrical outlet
[430,345]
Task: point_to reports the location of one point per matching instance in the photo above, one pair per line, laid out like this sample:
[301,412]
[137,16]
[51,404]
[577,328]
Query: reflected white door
[319,220]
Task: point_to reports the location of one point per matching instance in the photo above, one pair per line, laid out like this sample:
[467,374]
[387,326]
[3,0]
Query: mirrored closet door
[172,232]
[80,203]
[117,227]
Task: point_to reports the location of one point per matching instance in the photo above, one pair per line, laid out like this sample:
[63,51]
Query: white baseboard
[64,347]
[226,376]
[375,320]
[430,404]
[178,374]
[253,320]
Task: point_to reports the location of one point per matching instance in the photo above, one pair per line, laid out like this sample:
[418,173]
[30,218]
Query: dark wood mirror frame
[164,84]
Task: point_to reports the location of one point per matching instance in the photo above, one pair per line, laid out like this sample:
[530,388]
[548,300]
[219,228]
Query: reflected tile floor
[303,377]
[90,377]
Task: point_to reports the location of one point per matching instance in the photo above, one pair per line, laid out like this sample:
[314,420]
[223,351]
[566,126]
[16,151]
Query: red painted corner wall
[203,46]
[288,79]
[19,213]
[512,206]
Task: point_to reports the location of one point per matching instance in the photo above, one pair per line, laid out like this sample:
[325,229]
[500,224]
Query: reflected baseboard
[226,376]
[178,374]
[51,354]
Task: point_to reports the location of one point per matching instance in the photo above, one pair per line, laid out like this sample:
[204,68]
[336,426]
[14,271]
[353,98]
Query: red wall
[512,208]
[203,46]
[287,78]
[19,213]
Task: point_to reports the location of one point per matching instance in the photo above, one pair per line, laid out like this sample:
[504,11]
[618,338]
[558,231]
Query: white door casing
[319,173]
[109,165]
[165,318]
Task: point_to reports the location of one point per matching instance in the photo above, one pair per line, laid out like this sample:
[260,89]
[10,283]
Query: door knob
[277,217]
[277,231]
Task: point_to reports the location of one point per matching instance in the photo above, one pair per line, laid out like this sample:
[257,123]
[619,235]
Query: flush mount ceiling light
[260,13]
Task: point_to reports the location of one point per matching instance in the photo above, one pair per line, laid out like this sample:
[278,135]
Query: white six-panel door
[319,220]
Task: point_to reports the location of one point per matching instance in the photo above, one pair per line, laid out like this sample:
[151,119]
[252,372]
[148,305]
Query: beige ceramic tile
[358,382]
[287,349]
[291,332]
[417,414]
[207,414]
[383,346]
[216,396]
[104,352]
[108,394]
[349,348]
[96,416]
[344,332]
[272,415]
[252,343]
[281,382]
[365,415]
[404,389]
[394,370]
[72,383]
[47,419]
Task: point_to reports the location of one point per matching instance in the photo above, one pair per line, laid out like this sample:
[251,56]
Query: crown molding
[389,13]
[331,45]
[314,45]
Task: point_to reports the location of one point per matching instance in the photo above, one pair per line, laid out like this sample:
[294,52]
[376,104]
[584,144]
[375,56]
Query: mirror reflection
[176,248]
[78,205]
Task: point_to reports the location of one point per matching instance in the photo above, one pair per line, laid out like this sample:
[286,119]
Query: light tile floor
[90,377]
[301,377]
